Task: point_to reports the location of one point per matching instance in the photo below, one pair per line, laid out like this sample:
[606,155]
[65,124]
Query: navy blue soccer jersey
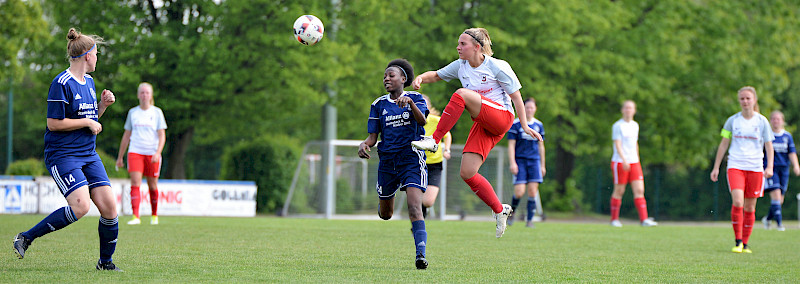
[396,126]
[68,98]
[526,147]
[782,145]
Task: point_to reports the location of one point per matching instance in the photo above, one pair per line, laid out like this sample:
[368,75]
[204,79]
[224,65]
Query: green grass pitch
[270,249]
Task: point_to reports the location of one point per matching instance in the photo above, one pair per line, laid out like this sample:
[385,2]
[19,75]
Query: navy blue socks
[57,220]
[420,236]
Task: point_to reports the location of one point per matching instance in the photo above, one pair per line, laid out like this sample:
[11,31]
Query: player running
[748,134]
[145,130]
[399,117]
[69,151]
[434,160]
[489,88]
[784,155]
[526,161]
[625,166]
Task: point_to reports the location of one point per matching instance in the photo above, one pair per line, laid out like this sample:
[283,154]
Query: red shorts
[750,182]
[143,164]
[489,128]
[621,176]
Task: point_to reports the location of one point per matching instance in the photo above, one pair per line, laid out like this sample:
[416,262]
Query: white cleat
[426,143]
[616,223]
[781,228]
[154,220]
[765,221]
[501,219]
[135,221]
[649,222]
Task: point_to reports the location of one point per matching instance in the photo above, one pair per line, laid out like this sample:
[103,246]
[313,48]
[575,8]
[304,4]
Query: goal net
[344,187]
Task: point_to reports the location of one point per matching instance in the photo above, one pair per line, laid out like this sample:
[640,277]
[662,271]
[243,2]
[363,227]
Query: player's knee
[80,209]
[467,174]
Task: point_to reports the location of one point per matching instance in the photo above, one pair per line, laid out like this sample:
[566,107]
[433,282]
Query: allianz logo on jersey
[84,106]
[405,115]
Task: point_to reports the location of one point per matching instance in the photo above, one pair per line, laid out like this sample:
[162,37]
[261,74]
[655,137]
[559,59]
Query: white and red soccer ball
[308,29]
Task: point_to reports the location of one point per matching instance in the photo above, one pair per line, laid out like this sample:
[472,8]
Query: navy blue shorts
[779,179]
[70,173]
[529,171]
[396,171]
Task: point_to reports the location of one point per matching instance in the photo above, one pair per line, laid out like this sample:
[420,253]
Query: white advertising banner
[27,195]
[197,198]
[17,195]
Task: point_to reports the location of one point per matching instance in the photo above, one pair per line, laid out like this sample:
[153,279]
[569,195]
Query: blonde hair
[481,37]
[78,44]
[752,91]
[628,101]
[152,92]
[432,109]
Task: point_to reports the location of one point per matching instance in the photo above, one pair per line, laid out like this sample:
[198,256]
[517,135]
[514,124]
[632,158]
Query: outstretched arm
[425,78]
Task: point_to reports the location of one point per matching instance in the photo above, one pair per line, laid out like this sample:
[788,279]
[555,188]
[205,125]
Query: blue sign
[13,200]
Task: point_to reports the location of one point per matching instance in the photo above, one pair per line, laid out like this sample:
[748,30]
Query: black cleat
[21,244]
[107,266]
[421,262]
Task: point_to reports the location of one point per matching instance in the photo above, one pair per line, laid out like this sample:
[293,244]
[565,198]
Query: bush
[109,162]
[27,167]
[269,161]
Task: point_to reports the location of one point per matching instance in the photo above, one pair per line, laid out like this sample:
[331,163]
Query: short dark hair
[405,67]
[531,99]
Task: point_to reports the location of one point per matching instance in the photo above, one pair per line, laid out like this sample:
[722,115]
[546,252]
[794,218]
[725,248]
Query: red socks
[483,189]
[737,221]
[135,200]
[749,220]
[450,115]
[641,206]
[154,201]
[615,204]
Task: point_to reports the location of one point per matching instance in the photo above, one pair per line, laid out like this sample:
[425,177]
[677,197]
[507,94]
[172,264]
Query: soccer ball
[308,29]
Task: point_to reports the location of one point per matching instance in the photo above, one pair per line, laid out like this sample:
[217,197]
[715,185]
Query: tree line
[230,71]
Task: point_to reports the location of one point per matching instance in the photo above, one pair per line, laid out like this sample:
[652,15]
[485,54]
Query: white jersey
[493,79]
[628,134]
[747,141]
[144,126]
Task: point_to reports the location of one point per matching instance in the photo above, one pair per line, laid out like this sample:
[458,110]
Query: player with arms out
[526,161]
[785,155]
[145,130]
[748,134]
[69,151]
[489,86]
[399,117]
[625,166]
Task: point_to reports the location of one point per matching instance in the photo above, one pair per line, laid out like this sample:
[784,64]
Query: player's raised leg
[77,207]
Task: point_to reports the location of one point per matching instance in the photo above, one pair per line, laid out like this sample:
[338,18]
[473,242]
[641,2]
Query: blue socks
[420,236]
[108,229]
[531,207]
[775,212]
[57,220]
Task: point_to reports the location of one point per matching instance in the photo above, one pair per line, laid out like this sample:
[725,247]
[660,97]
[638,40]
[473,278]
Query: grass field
[269,249]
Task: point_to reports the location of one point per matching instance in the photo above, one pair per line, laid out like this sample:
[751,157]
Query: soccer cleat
[154,220]
[738,248]
[135,221]
[781,228]
[530,225]
[107,266]
[21,244]
[426,143]
[501,219]
[421,262]
[649,223]
[746,249]
[765,221]
[616,223]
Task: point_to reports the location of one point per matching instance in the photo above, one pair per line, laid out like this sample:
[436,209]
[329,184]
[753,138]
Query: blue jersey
[68,98]
[526,147]
[783,145]
[396,126]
